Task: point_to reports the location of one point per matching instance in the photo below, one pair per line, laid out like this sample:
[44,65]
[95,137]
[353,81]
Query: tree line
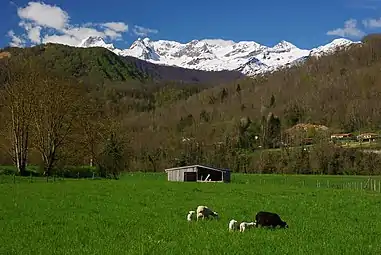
[56,120]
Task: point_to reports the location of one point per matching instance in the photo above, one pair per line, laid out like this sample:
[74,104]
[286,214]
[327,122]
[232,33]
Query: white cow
[232,226]
[204,212]
[189,216]
[245,225]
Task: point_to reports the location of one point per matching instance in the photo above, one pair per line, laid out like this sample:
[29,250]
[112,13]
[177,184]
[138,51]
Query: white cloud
[372,23]
[44,15]
[83,32]
[15,40]
[33,31]
[112,34]
[62,39]
[73,36]
[142,31]
[350,30]
[116,26]
[44,23]
[34,34]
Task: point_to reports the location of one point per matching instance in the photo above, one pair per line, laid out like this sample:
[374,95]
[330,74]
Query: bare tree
[92,133]
[17,97]
[111,161]
[55,113]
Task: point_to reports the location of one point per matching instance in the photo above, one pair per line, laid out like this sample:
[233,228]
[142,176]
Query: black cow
[268,219]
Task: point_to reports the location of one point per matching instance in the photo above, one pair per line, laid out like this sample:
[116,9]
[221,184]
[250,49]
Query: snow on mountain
[95,41]
[331,47]
[253,66]
[248,57]
[142,49]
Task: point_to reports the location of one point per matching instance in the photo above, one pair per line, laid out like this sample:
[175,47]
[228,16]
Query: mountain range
[248,57]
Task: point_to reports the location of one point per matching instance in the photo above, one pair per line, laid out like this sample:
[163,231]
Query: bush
[111,162]
[79,172]
[11,170]
[7,170]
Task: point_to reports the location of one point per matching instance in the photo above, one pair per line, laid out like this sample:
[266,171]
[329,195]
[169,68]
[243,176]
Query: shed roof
[202,166]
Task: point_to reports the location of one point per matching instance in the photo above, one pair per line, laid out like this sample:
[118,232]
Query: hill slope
[229,125]
[340,91]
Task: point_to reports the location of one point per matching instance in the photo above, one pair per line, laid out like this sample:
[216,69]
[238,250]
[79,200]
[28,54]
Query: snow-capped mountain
[330,48]
[248,57]
[95,41]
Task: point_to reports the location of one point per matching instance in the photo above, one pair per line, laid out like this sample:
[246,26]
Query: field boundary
[359,183]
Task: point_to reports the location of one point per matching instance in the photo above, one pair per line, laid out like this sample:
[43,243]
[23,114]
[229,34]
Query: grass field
[145,214]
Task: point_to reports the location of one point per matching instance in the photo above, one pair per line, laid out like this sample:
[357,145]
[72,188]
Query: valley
[162,116]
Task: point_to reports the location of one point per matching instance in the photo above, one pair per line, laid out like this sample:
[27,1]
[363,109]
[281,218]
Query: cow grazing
[268,219]
[204,212]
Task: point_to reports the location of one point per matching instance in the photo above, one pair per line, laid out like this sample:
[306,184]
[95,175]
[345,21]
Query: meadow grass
[145,214]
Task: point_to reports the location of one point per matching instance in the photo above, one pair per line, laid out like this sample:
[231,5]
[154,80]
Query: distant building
[341,136]
[198,173]
[367,137]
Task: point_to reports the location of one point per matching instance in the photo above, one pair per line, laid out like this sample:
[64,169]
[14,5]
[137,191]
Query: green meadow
[145,214]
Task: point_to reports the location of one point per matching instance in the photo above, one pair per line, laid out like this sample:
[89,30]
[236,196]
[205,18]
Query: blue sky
[306,24]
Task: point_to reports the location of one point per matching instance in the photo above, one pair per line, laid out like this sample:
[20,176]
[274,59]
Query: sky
[305,23]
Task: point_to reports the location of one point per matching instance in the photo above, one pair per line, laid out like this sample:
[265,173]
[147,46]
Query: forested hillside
[243,125]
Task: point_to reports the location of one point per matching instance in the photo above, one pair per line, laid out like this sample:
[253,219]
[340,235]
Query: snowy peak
[218,42]
[331,47]
[283,46]
[141,49]
[248,57]
[95,41]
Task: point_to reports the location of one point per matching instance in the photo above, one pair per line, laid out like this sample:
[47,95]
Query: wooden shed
[198,173]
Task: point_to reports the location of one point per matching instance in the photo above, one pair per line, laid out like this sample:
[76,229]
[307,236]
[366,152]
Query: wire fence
[366,183]
[55,178]
[369,183]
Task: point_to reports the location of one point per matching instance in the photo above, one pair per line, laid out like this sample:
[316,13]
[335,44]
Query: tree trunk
[20,142]
[48,162]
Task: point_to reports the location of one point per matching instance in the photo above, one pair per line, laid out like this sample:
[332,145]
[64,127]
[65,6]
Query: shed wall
[227,176]
[178,175]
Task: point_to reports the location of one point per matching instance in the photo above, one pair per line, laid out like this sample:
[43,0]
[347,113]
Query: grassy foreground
[145,214]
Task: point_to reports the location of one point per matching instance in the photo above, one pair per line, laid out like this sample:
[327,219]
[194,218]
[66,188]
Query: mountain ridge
[100,64]
[247,57]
